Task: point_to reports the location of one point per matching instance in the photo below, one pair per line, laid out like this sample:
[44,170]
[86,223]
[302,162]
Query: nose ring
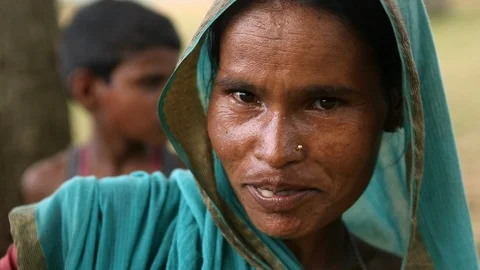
[299,147]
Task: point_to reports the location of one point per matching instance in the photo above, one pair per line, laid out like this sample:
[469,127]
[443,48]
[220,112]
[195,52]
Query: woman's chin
[282,226]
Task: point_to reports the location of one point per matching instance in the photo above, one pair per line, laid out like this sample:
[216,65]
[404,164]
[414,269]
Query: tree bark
[33,110]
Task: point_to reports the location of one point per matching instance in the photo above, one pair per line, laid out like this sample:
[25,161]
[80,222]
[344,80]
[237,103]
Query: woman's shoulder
[76,198]
[84,192]
[116,192]
[87,208]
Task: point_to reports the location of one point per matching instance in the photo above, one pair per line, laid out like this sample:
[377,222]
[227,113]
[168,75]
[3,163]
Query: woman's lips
[280,201]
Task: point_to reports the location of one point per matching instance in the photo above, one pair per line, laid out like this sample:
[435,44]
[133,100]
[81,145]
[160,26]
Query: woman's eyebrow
[313,91]
[316,91]
[235,84]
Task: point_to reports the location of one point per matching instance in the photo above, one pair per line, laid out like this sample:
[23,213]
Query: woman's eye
[245,97]
[326,104]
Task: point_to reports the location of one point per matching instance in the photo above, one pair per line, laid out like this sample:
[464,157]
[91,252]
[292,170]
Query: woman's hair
[368,18]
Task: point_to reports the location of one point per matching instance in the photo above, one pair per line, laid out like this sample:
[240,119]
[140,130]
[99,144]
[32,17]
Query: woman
[285,111]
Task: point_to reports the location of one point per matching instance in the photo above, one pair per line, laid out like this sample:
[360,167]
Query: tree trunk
[33,109]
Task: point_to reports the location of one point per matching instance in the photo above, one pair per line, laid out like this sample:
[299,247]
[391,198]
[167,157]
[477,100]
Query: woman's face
[293,77]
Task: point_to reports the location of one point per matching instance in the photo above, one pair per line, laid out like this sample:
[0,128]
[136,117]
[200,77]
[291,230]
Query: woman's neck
[329,248]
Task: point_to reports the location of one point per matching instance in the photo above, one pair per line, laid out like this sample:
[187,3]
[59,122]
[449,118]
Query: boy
[115,58]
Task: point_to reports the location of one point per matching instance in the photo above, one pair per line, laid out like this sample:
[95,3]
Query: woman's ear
[83,88]
[394,119]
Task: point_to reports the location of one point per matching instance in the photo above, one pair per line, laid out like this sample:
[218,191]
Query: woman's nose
[278,142]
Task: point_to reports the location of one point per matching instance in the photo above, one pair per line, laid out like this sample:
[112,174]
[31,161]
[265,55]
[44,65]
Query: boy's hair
[102,34]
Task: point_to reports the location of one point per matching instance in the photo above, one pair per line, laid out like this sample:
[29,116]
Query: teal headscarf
[415,205]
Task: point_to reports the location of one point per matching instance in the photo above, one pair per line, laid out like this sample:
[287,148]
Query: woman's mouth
[280,200]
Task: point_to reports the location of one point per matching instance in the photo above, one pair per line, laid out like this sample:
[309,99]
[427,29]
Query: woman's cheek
[347,152]
[231,135]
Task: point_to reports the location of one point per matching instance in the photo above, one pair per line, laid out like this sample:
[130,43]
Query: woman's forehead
[264,19]
[293,30]
[266,44]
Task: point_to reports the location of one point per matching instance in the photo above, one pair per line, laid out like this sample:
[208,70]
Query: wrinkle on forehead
[279,18]
[285,23]
[263,30]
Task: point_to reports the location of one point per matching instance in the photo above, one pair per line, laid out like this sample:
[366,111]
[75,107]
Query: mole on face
[301,98]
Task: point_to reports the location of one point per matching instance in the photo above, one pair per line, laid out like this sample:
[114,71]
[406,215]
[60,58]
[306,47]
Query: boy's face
[128,103]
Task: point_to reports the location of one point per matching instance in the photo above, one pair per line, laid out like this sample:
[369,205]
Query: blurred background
[455,23]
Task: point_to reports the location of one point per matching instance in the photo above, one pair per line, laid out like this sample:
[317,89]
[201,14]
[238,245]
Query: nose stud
[299,147]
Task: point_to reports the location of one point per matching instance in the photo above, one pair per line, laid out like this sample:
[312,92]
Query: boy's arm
[42,179]
[34,186]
